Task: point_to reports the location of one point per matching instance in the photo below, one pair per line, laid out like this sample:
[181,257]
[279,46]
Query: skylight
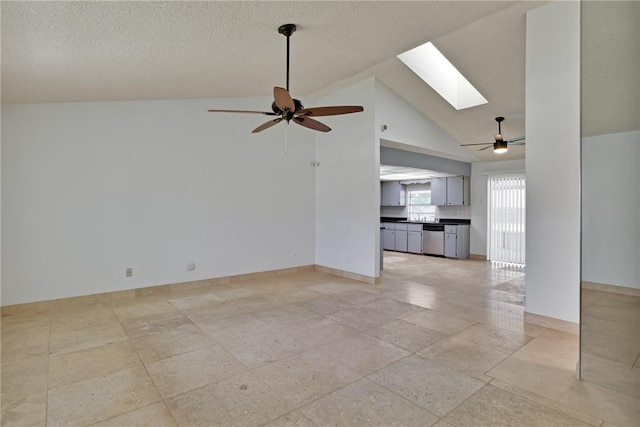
[436,70]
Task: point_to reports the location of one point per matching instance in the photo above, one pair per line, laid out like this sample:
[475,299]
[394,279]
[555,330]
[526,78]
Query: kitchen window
[419,206]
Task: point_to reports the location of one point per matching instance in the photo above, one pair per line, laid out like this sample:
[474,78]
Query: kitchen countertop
[441,221]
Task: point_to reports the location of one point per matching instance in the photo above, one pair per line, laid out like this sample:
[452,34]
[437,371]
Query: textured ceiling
[86,51]
[95,51]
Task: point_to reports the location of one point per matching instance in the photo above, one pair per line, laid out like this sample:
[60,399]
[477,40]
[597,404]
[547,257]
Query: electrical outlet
[191,266]
[128,272]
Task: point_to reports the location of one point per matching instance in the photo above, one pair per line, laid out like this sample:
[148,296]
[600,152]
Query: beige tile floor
[611,340]
[438,342]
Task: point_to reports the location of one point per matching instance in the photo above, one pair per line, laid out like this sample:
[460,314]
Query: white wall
[348,185]
[408,126]
[347,181]
[553,160]
[611,209]
[89,189]
[393,211]
[479,174]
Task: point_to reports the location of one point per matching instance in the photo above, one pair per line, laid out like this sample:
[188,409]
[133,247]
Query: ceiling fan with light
[500,145]
[287,109]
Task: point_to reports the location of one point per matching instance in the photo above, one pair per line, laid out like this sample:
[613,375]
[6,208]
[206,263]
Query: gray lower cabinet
[401,240]
[450,245]
[456,241]
[388,238]
[408,237]
[401,237]
[414,238]
[414,242]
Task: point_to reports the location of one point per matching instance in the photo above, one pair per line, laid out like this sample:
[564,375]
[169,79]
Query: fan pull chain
[286,134]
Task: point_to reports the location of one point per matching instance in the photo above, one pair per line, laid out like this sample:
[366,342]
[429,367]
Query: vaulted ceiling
[102,51]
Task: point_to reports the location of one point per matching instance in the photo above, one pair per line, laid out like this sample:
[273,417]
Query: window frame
[426,215]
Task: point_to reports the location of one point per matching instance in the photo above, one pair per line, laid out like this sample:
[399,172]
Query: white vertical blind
[506,237]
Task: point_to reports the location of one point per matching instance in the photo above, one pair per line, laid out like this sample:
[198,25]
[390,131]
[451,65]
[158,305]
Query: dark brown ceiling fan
[500,145]
[286,108]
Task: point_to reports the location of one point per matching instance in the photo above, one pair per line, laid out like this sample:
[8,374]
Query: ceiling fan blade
[311,124]
[485,148]
[516,143]
[266,113]
[483,143]
[283,100]
[267,125]
[330,111]
[520,138]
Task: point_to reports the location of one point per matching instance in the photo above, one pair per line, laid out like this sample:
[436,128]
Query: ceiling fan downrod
[287,30]
[499,120]
[287,109]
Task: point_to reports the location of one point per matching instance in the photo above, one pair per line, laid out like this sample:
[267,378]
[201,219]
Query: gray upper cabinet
[451,191]
[392,193]
[439,191]
[458,190]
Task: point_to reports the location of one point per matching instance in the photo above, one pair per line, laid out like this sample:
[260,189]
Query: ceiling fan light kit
[500,146]
[289,109]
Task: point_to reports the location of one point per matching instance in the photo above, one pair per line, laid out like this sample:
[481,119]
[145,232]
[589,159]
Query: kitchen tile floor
[438,343]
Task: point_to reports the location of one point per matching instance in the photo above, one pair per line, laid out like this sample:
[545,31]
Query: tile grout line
[144,366]
[283,330]
[460,404]
[399,395]
[542,400]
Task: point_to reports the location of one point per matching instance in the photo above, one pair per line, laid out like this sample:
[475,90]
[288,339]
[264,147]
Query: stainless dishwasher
[433,239]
